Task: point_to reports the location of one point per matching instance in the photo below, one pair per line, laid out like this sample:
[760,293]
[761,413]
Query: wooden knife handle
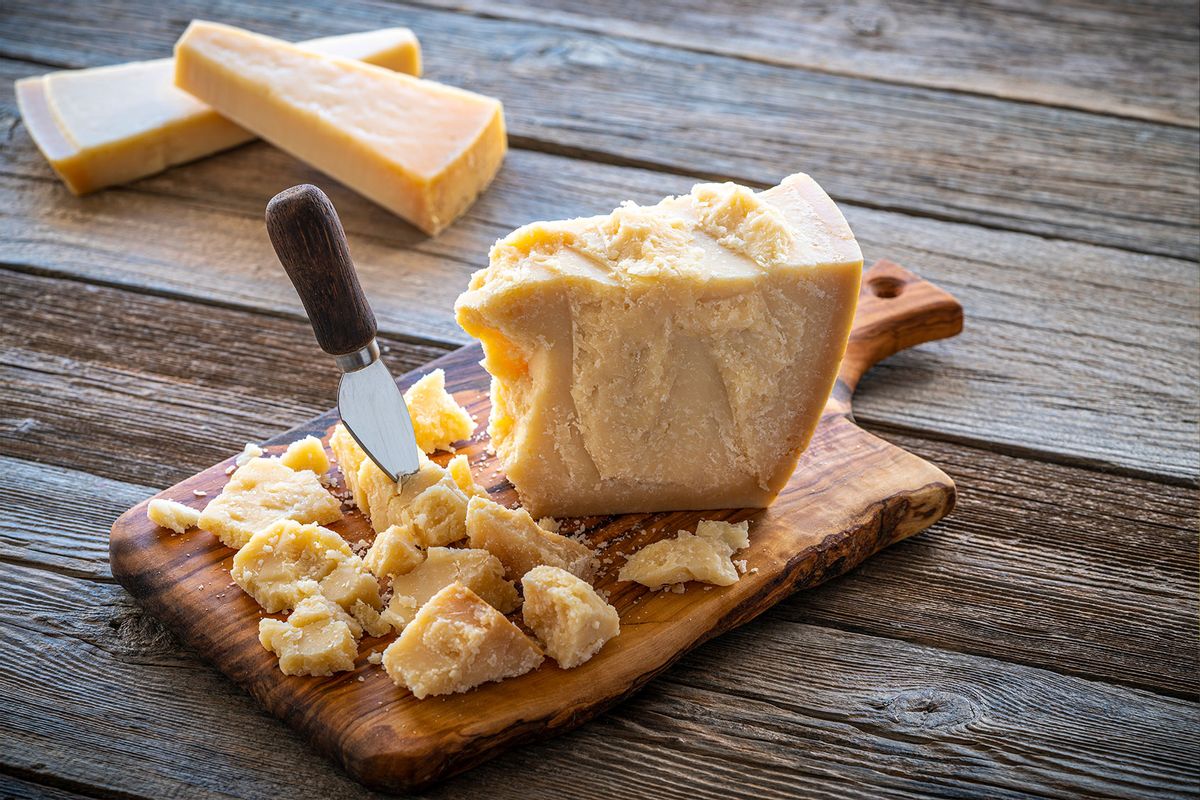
[309,240]
[896,310]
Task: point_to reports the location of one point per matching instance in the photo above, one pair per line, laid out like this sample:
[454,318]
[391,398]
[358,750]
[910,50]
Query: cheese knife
[311,244]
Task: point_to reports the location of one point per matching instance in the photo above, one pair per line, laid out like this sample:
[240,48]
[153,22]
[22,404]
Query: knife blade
[311,245]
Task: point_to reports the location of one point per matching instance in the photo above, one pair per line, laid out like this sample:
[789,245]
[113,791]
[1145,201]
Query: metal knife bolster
[363,357]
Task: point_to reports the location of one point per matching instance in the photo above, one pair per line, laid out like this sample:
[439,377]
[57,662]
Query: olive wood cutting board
[851,495]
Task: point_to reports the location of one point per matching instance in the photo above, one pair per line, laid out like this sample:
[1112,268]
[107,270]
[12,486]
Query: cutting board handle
[896,309]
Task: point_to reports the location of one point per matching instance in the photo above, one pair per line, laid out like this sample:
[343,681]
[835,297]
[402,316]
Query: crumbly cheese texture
[460,470]
[705,556]
[395,551]
[478,570]
[105,126]
[307,453]
[456,642]
[349,458]
[420,149]
[512,536]
[318,638]
[437,418]
[172,515]
[570,620]
[665,357]
[265,491]
[280,564]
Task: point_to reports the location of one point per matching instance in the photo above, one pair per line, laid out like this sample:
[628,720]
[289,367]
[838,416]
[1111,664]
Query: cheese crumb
[172,515]
[250,451]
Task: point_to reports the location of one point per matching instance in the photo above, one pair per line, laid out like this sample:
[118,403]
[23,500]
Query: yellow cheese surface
[512,536]
[395,551]
[172,515]
[109,125]
[456,642]
[307,453]
[570,620]
[349,458]
[438,420]
[666,357]
[280,565]
[318,638]
[261,492]
[420,149]
[705,556]
[478,570]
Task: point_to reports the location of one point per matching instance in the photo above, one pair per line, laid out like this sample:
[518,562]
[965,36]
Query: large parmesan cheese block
[109,125]
[418,148]
[667,357]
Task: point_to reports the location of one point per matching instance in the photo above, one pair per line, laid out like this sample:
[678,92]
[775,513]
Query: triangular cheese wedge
[110,125]
[420,149]
[667,357]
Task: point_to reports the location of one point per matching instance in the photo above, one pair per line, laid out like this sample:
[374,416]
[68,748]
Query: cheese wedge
[109,125]
[669,357]
[420,149]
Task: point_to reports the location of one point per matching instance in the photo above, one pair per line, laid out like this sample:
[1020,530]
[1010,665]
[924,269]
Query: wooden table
[1039,160]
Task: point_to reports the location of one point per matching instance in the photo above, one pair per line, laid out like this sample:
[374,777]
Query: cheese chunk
[675,356]
[571,621]
[307,453]
[317,639]
[478,570]
[460,470]
[394,552]
[263,492]
[420,149]
[521,544]
[169,514]
[456,642]
[438,420]
[430,503]
[349,459]
[705,556]
[350,582]
[109,125]
[280,565]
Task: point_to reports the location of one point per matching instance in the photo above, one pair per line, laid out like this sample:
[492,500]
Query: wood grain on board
[1126,59]
[851,495]
[1072,350]
[1019,166]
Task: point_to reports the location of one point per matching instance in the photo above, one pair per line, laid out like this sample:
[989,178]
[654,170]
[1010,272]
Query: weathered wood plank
[151,389]
[16,788]
[1070,351]
[1056,172]
[1130,59]
[771,711]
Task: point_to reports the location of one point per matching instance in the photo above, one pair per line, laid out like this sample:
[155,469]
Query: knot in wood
[931,709]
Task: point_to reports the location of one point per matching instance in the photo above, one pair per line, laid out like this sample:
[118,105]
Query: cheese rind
[570,620]
[478,570]
[420,149]
[105,126]
[512,536]
[318,638]
[667,357]
[172,515]
[280,565]
[437,418]
[262,492]
[456,642]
